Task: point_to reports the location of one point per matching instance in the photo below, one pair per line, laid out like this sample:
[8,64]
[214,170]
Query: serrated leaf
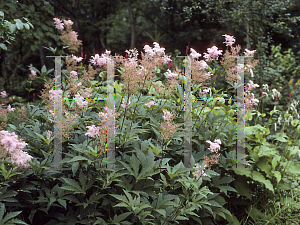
[260,178]
[73,185]
[78,158]
[10,215]
[121,217]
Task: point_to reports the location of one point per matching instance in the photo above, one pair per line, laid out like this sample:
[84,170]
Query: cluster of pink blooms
[32,74]
[168,129]
[94,130]
[14,147]
[3,94]
[78,59]
[149,104]
[214,147]
[58,24]
[213,53]
[100,61]
[250,99]
[194,54]
[124,103]
[170,74]
[229,40]
[157,50]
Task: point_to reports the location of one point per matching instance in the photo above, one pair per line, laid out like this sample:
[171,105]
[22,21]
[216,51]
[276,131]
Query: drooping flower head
[58,24]
[194,54]
[213,53]
[229,39]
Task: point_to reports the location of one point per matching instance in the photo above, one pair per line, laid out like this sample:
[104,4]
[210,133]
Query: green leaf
[19,24]
[226,188]
[118,218]
[293,150]
[62,202]
[243,188]
[75,167]
[78,158]
[44,70]
[260,178]
[12,28]
[277,174]
[73,186]
[3,46]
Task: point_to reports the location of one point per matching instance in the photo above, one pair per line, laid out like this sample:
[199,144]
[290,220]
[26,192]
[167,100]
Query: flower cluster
[101,129]
[208,161]
[32,74]
[228,61]
[100,61]
[68,37]
[124,103]
[149,104]
[213,53]
[168,129]
[250,99]
[13,147]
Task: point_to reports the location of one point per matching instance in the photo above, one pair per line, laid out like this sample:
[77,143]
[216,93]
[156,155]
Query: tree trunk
[248,46]
[41,55]
[132,24]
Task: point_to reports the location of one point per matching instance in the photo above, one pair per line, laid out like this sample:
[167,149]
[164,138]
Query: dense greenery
[150,184]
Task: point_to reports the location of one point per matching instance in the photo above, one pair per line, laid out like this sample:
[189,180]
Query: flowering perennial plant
[208,161]
[68,37]
[250,99]
[13,148]
[168,129]
[100,130]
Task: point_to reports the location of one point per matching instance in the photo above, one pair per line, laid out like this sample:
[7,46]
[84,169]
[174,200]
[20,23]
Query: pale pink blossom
[3,94]
[14,147]
[93,131]
[33,73]
[10,109]
[80,101]
[199,171]
[203,64]
[58,24]
[251,85]
[157,49]
[107,52]
[170,74]
[149,104]
[124,103]
[194,54]
[229,40]
[214,146]
[249,53]
[166,59]
[49,132]
[78,59]
[213,52]
[97,60]
[68,22]
[148,50]
[73,75]
[55,94]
